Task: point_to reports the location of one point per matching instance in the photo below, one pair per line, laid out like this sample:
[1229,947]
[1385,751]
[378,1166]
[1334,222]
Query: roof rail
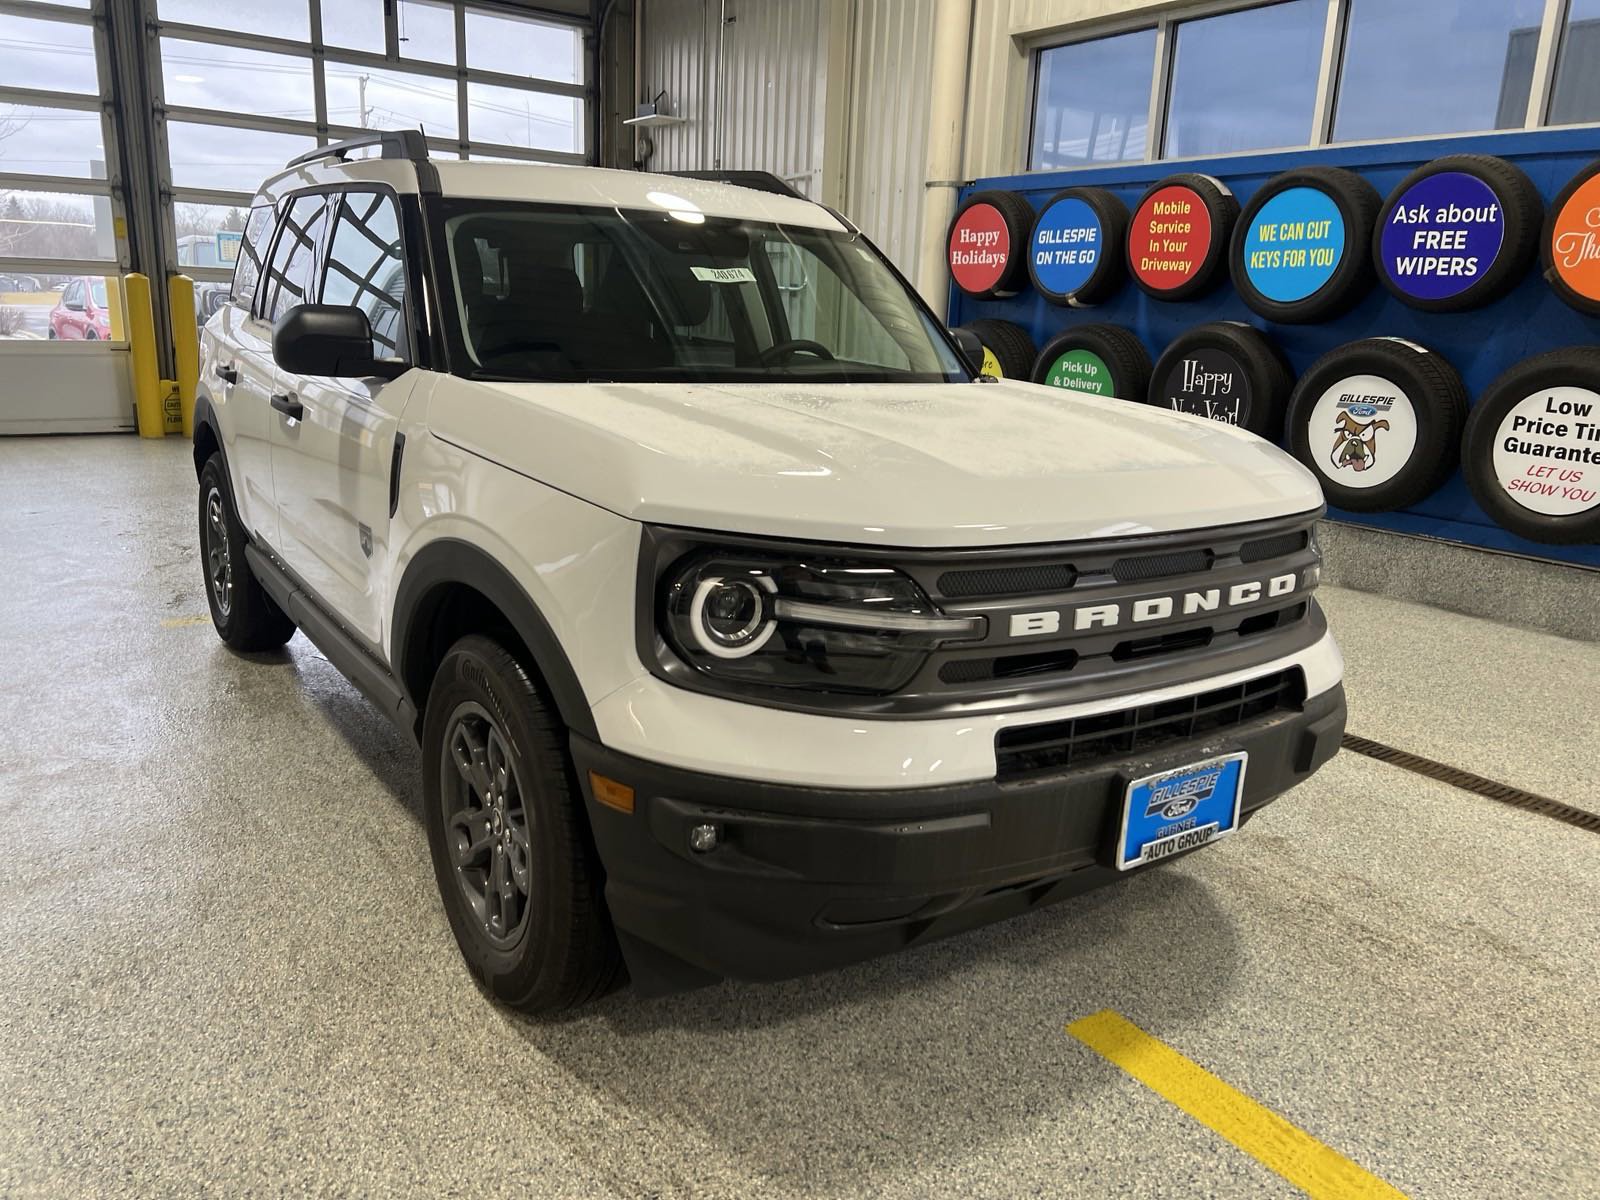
[761,181]
[396,143]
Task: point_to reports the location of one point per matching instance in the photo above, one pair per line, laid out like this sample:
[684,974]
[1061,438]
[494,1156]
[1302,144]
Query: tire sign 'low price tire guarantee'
[1547,451]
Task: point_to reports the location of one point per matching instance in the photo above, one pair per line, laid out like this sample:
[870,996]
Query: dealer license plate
[1174,811]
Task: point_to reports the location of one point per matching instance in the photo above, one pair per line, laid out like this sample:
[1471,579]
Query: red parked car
[82,312]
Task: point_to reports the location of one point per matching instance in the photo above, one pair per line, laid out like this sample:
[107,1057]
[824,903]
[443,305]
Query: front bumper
[804,879]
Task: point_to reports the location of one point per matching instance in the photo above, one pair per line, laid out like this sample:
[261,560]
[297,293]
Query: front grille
[1008,581]
[1280,546]
[1160,566]
[1027,751]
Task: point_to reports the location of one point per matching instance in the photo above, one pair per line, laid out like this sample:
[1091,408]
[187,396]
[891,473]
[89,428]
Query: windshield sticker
[724,274]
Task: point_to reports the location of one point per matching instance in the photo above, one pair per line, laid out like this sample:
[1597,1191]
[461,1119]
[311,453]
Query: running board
[353,660]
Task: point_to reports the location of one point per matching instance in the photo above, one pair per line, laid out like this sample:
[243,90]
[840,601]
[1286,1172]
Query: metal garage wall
[773,97]
[891,73]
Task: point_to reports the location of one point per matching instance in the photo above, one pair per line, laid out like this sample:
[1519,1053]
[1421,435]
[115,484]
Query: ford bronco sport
[744,630]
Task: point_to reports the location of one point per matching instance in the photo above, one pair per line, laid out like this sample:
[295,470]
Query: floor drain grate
[1476,784]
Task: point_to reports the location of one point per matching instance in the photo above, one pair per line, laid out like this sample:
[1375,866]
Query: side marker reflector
[611,793]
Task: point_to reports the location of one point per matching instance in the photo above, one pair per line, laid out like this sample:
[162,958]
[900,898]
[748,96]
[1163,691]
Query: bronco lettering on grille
[1151,608]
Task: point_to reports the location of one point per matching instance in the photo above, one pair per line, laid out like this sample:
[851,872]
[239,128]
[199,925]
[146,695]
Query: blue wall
[1480,344]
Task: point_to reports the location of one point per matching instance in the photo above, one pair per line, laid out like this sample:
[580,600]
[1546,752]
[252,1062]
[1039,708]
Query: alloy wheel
[486,824]
[219,555]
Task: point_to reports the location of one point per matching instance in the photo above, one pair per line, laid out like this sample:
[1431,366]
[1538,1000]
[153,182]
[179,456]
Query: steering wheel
[783,351]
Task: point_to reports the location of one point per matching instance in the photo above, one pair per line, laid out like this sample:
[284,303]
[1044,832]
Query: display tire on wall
[1074,284]
[1379,423]
[1308,294]
[1008,345]
[1566,248]
[521,881]
[999,269]
[1227,371]
[1102,360]
[1471,182]
[1537,495]
[245,617]
[1203,260]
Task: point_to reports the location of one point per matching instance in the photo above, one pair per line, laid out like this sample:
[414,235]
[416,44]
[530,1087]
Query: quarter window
[366,268]
[252,249]
[294,256]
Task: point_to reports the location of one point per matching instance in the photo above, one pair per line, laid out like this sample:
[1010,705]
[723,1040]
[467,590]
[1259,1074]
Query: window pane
[1434,66]
[519,46]
[55,225]
[281,18]
[1245,80]
[232,79]
[1093,103]
[536,120]
[60,308]
[365,267]
[353,24]
[51,141]
[252,250]
[208,234]
[52,55]
[236,160]
[295,255]
[1577,94]
[427,31]
[364,98]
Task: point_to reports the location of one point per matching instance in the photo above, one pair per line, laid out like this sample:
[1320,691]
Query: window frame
[1552,34]
[406,347]
[258,305]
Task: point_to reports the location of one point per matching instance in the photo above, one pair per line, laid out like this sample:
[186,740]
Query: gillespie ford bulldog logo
[1150,608]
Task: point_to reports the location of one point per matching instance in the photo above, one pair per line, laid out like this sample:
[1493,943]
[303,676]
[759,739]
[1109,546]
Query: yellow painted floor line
[184,622]
[1318,1170]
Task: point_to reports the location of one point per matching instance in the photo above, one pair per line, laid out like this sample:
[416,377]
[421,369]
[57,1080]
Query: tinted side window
[292,272]
[367,269]
[252,249]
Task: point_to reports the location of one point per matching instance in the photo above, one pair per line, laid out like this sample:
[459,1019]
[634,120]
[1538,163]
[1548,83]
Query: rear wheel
[245,617]
[518,873]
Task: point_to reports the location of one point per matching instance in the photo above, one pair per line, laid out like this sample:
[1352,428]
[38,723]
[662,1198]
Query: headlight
[820,624]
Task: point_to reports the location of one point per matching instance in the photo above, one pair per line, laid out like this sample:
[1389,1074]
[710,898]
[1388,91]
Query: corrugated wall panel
[890,78]
[675,38]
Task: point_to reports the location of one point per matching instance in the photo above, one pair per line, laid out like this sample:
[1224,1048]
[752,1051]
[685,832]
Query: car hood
[920,465]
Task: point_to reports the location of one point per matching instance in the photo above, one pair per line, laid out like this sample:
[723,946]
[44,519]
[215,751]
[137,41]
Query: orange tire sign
[1572,242]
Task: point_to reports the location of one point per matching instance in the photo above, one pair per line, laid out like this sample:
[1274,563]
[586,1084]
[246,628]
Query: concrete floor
[225,969]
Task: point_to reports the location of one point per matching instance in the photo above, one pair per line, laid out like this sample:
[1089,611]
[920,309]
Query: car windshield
[558,293]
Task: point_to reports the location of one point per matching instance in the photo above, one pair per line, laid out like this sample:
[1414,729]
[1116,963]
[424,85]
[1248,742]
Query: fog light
[703,839]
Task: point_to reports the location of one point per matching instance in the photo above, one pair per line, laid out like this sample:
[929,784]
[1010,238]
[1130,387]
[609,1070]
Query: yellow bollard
[147,391]
[185,346]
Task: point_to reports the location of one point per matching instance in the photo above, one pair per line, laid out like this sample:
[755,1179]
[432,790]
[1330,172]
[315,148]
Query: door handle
[226,374]
[288,406]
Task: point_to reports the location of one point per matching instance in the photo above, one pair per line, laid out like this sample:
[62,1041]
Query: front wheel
[245,617]
[520,880]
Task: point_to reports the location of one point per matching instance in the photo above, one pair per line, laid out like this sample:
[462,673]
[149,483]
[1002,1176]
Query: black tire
[1013,216]
[1117,364]
[548,945]
[1209,256]
[1565,247]
[1522,216]
[1010,345]
[91,336]
[1575,480]
[1240,379]
[1357,204]
[1111,217]
[245,617]
[1380,386]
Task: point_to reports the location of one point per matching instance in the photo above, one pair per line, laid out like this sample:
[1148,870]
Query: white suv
[743,629]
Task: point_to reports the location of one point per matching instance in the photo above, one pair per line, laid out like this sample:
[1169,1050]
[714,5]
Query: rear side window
[291,274]
[367,269]
[252,249]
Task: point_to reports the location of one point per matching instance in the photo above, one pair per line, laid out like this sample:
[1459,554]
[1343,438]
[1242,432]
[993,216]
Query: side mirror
[971,346]
[328,339]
